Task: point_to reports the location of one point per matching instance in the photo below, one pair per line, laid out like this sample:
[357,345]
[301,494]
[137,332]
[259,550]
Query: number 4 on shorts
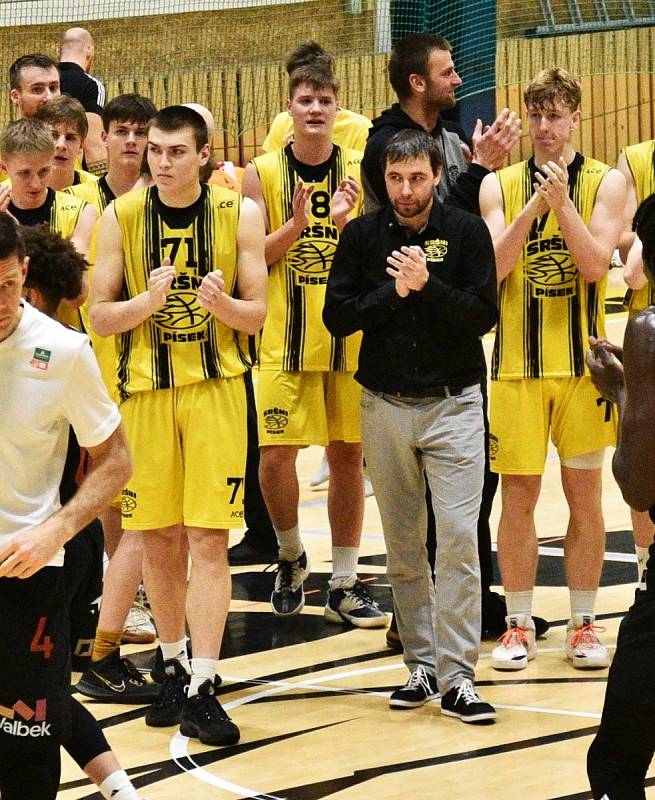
[40,643]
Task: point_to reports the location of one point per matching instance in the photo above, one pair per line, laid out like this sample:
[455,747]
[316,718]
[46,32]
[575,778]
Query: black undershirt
[34,216]
[311,173]
[179,217]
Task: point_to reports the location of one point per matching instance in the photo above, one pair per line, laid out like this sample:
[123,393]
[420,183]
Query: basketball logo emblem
[275,422]
[181,313]
[313,256]
[551,269]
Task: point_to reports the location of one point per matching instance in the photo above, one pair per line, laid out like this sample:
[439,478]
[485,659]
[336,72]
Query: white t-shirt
[49,378]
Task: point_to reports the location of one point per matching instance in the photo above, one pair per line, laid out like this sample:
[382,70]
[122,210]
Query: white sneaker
[322,475]
[517,645]
[139,625]
[583,648]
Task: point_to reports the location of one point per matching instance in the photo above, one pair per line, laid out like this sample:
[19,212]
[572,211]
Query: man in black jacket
[418,279]
[422,73]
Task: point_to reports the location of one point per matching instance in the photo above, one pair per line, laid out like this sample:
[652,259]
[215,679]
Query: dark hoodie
[460,181]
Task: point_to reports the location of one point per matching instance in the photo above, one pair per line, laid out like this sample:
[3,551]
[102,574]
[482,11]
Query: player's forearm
[278,242]
[108,475]
[591,257]
[508,245]
[110,317]
[246,316]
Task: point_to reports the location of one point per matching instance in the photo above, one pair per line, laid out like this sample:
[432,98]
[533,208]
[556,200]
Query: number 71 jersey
[294,338]
[182,343]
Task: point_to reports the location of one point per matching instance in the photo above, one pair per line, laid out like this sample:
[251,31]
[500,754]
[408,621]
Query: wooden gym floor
[310,697]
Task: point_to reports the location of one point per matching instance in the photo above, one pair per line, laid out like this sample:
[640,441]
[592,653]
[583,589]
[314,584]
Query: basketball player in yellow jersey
[125,122]
[350,129]
[67,121]
[180,270]
[26,150]
[555,221]
[636,163]
[306,393]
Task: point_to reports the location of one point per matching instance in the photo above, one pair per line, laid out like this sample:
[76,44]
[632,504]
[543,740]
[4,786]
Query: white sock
[118,786]
[519,603]
[344,566]
[202,669]
[642,558]
[582,605]
[178,651]
[289,543]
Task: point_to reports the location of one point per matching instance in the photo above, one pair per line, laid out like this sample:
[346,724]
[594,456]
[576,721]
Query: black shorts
[34,664]
[83,570]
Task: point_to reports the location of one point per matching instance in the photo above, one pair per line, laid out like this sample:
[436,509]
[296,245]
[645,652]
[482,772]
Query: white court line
[179,745]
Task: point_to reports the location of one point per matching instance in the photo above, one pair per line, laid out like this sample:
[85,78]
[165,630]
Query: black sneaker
[353,603]
[393,637]
[204,718]
[167,707]
[463,701]
[251,551]
[288,597]
[420,688]
[116,680]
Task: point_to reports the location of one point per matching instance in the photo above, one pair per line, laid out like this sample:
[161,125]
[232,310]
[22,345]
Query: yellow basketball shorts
[189,456]
[303,408]
[524,412]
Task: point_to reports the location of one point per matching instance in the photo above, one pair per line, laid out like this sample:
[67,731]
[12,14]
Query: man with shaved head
[76,52]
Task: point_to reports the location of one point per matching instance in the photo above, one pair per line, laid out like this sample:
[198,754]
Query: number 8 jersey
[182,343]
[294,338]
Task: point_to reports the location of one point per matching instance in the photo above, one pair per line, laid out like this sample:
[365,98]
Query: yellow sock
[105,643]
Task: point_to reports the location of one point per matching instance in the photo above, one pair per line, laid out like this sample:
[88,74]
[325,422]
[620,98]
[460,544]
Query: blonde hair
[26,137]
[549,86]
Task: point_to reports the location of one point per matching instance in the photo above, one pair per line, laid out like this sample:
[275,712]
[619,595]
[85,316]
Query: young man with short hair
[306,393]
[67,121]
[555,221]
[34,80]
[350,129]
[181,278]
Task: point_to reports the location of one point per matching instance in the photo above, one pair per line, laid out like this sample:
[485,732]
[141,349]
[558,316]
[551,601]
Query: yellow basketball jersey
[294,338]
[96,192]
[182,343]
[350,131]
[547,309]
[640,161]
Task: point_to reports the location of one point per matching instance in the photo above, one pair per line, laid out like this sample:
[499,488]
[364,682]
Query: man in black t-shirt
[76,52]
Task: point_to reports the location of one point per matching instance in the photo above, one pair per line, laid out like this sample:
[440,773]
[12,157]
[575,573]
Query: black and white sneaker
[116,680]
[288,597]
[167,707]
[204,718]
[419,689]
[353,603]
[463,702]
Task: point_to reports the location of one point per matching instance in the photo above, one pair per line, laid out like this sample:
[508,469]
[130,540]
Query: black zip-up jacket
[460,181]
[431,338]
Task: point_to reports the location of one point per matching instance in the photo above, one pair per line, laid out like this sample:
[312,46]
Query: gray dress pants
[443,438]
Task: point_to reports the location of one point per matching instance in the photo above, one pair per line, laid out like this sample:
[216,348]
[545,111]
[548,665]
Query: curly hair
[56,269]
